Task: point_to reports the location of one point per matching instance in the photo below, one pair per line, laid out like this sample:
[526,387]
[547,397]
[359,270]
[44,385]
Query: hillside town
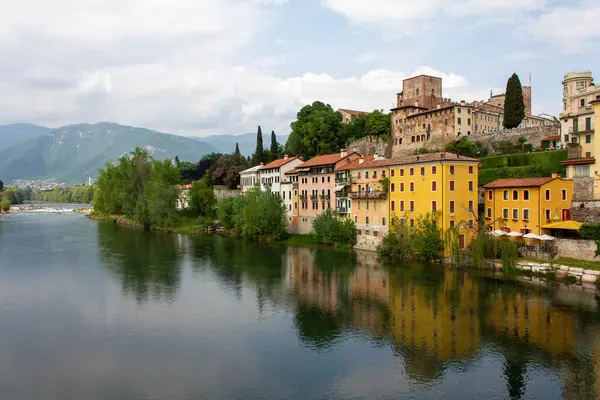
[372,182]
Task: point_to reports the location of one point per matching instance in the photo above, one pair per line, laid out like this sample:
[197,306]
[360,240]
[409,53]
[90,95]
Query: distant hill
[72,153]
[14,134]
[247,141]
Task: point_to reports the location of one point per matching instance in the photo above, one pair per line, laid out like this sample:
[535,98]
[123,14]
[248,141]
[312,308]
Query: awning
[569,225]
[340,187]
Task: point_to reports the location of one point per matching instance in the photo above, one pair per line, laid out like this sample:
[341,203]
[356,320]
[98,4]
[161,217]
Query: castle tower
[527,99]
[423,90]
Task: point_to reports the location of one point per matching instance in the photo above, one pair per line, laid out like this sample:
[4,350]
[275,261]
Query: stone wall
[577,249]
[586,211]
[369,146]
[370,236]
[223,192]
[574,151]
[583,188]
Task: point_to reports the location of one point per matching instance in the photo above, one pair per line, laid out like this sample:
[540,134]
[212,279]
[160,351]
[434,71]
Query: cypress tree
[259,154]
[274,146]
[514,105]
[237,149]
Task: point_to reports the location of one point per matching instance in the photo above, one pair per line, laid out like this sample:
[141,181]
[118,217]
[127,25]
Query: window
[412,171]
[525,194]
[393,187]
[582,170]
[547,194]
[422,171]
[515,195]
[489,212]
[434,205]
[588,124]
[451,186]
[322,179]
[588,154]
[401,171]
[374,174]
[367,220]
[383,173]
[359,175]
[505,195]
[412,206]
[505,213]
[412,186]
[564,194]
[588,139]
[471,169]
[367,205]
[433,170]
[452,170]
[471,186]
[356,220]
[434,186]
[459,121]
[471,205]
[451,206]
[490,195]
[402,206]
[366,174]
[359,204]
[383,221]
[451,224]
[582,103]
[392,172]
[547,215]
[515,214]
[402,186]
[525,215]
[393,205]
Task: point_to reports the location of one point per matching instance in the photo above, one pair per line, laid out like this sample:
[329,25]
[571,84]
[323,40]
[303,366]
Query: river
[92,310]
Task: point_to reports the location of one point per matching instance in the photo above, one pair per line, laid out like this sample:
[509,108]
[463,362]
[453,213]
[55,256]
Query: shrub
[427,238]
[590,231]
[331,229]
[202,199]
[5,205]
[397,244]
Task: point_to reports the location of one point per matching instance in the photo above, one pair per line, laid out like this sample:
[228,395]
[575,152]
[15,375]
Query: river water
[92,310]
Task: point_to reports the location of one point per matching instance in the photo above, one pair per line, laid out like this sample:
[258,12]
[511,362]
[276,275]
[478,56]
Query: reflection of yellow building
[445,323]
[529,318]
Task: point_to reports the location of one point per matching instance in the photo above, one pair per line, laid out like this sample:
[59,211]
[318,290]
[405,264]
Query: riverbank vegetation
[82,194]
[330,229]
[12,196]
[404,242]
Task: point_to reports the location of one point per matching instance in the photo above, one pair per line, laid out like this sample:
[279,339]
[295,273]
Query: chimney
[361,160]
[301,158]
[554,175]
[462,102]
[285,157]
[262,164]
[343,153]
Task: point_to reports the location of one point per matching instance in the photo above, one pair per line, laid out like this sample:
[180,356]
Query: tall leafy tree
[514,105]
[226,171]
[259,153]
[317,130]
[274,146]
[237,149]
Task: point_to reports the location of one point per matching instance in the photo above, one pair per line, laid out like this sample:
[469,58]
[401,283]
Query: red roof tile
[292,171]
[418,159]
[551,138]
[523,182]
[278,163]
[354,112]
[579,161]
[327,159]
[355,164]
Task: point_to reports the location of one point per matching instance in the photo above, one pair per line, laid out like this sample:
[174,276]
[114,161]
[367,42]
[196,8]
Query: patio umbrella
[498,233]
[545,237]
[514,234]
[530,236]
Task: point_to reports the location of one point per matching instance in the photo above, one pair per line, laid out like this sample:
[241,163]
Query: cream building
[577,118]
[250,178]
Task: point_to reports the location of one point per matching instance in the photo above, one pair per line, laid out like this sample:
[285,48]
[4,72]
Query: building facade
[526,205]
[250,178]
[347,115]
[440,183]
[273,174]
[577,117]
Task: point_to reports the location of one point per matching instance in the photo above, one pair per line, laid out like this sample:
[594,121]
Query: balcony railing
[368,195]
[343,210]
[314,197]
[303,197]
[325,197]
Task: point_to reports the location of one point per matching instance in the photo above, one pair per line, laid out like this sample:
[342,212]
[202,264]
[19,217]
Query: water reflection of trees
[148,264]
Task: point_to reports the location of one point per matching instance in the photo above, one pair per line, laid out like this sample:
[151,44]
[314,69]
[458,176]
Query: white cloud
[399,18]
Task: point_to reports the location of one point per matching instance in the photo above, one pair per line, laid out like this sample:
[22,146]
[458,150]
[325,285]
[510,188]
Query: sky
[202,67]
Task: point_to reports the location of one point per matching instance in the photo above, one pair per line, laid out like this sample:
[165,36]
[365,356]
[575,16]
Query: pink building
[316,186]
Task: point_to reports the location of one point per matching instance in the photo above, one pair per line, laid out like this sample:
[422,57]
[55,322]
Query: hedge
[590,231]
[533,171]
[548,159]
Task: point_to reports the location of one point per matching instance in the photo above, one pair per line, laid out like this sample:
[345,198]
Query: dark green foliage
[202,199]
[508,147]
[376,123]
[257,215]
[237,149]
[467,148]
[590,231]
[140,188]
[259,152]
[317,130]
[274,147]
[67,194]
[226,170]
[331,229]
[514,105]
[529,165]
[191,172]
[423,241]
[1,185]
[427,238]
[397,244]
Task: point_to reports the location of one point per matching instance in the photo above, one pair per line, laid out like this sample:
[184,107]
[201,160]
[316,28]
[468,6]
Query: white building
[273,174]
[250,178]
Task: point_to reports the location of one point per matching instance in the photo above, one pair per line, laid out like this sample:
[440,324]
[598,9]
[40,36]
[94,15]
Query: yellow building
[588,166]
[526,205]
[445,183]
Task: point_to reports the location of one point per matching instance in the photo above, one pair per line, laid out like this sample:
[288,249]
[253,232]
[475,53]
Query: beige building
[577,118]
[250,178]
[347,115]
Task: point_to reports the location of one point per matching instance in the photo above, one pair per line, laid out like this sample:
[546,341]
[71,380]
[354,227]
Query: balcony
[295,185]
[325,197]
[343,210]
[368,195]
[303,197]
[314,197]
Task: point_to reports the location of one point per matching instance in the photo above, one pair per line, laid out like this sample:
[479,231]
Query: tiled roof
[278,163]
[579,161]
[355,164]
[327,159]
[551,138]
[523,182]
[292,171]
[422,158]
[353,112]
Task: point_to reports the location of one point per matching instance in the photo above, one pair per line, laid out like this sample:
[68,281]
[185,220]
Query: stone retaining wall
[577,249]
[587,211]
[223,192]
[369,146]
[561,271]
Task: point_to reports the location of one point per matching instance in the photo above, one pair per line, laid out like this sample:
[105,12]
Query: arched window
[417,92]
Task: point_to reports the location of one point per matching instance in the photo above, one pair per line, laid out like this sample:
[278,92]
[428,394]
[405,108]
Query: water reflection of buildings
[433,319]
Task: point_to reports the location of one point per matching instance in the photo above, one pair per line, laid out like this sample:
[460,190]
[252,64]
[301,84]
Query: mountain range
[72,153]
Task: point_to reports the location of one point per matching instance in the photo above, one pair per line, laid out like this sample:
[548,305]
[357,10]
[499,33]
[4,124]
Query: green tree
[202,199]
[226,171]
[5,205]
[467,148]
[274,147]
[427,238]
[378,123]
[331,229]
[317,130]
[1,185]
[237,149]
[514,105]
[259,153]
[397,244]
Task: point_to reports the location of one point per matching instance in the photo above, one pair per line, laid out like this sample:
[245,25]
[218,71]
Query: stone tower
[527,99]
[423,91]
